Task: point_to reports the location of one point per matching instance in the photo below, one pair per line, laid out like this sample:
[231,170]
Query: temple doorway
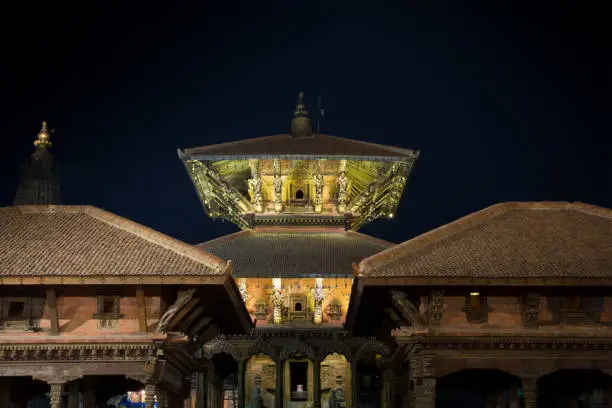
[478,388]
[576,389]
[227,370]
[260,381]
[335,375]
[370,384]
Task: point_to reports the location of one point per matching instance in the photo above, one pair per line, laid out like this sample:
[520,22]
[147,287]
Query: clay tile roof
[83,240]
[286,146]
[294,254]
[548,239]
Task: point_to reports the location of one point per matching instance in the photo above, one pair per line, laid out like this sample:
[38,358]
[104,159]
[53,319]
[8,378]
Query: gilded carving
[335,346]
[297,346]
[255,185]
[318,184]
[278,186]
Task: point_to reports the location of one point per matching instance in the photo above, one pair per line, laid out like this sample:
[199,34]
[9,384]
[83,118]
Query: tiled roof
[286,146]
[507,240]
[298,254]
[87,241]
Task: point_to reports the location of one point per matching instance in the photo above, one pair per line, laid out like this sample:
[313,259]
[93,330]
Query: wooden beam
[188,321]
[53,316]
[142,309]
[185,310]
[200,325]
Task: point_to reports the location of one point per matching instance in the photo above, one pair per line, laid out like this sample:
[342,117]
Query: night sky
[509,103]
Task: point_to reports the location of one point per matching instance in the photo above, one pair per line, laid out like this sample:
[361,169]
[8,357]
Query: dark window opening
[299,195]
[475,300]
[108,305]
[299,380]
[574,302]
[16,310]
[298,307]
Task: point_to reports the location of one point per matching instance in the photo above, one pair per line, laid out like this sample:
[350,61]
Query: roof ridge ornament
[301,125]
[43,140]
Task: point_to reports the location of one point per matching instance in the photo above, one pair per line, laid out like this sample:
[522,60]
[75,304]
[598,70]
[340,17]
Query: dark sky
[505,103]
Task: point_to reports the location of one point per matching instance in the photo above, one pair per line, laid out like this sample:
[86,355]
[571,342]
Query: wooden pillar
[89,393]
[354,384]
[425,393]
[530,392]
[316,383]
[55,400]
[53,315]
[387,394]
[200,400]
[5,391]
[241,389]
[278,394]
[142,310]
[73,397]
[150,391]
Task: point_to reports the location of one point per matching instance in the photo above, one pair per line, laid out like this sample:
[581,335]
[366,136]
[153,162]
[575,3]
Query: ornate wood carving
[372,346]
[335,346]
[220,345]
[76,352]
[262,346]
[184,296]
[436,307]
[297,346]
[531,309]
[407,309]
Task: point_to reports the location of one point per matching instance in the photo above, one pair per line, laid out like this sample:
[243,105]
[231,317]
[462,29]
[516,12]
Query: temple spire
[43,141]
[39,183]
[301,126]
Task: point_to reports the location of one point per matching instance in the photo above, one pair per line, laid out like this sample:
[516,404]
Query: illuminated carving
[318,184]
[342,182]
[318,300]
[277,300]
[278,187]
[255,186]
[242,287]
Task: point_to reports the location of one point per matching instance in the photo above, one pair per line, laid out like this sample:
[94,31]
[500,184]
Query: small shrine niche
[334,310]
[261,309]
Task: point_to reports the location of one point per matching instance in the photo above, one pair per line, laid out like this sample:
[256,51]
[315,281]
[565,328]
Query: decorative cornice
[77,352]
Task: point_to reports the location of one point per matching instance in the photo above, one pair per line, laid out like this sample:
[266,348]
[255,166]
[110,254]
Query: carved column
[201,390]
[342,182]
[162,397]
[316,383]
[387,391]
[278,393]
[530,392]
[241,391]
[255,184]
[318,184]
[55,394]
[355,383]
[150,391]
[278,186]
[73,397]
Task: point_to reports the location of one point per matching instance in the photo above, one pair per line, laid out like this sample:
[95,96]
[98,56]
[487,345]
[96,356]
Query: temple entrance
[576,389]
[298,382]
[227,370]
[260,381]
[335,380]
[370,386]
[478,388]
[17,392]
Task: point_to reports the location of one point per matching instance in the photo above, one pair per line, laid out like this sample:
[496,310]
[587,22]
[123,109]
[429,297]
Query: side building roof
[547,240]
[317,146]
[285,253]
[51,241]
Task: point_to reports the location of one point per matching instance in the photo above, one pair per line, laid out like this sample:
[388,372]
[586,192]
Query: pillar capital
[55,394]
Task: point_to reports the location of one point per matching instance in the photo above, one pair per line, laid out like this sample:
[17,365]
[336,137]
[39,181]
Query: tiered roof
[294,253]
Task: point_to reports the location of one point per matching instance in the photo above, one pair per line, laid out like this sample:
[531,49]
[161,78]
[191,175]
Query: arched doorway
[575,388]
[478,388]
[260,373]
[335,374]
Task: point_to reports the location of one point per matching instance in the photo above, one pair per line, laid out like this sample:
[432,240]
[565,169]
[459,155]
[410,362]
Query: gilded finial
[43,140]
[301,125]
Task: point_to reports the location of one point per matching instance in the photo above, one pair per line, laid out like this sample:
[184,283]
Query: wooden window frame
[115,314]
[476,315]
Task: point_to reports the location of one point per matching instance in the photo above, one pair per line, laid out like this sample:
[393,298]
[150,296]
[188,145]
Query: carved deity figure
[337,397]
[256,399]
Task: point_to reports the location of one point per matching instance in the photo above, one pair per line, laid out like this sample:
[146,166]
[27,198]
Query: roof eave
[215,157]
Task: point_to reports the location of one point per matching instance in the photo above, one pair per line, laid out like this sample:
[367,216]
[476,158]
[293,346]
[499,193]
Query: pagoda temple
[299,199]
